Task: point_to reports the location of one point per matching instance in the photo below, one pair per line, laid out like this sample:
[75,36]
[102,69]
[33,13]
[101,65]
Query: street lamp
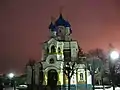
[11,77]
[114,55]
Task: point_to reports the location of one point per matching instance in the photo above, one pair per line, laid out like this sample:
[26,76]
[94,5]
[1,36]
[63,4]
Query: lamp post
[114,55]
[11,77]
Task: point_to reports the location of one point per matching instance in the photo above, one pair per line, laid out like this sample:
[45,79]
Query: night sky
[24,26]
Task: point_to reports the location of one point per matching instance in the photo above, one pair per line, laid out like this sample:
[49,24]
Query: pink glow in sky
[24,26]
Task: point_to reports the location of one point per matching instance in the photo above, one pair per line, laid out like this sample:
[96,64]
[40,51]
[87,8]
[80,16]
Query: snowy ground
[9,88]
[110,88]
[117,88]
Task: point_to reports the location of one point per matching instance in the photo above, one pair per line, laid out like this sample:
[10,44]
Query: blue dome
[52,26]
[61,22]
[67,24]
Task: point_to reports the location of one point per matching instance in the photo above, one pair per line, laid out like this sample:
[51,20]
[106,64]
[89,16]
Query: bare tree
[97,59]
[31,63]
[70,66]
[69,69]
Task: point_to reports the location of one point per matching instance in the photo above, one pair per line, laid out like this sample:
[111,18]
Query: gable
[52,41]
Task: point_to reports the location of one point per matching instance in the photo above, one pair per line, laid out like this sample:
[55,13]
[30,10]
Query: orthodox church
[58,50]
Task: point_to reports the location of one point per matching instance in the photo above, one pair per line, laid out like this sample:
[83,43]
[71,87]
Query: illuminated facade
[60,48]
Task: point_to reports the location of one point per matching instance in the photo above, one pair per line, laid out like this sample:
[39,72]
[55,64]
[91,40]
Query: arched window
[53,49]
[59,50]
[81,76]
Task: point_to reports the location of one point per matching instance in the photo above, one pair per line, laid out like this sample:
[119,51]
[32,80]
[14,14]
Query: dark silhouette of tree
[112,66]
[96,58]
[70,65]
[99,53]
[81,56]
[1,83]
[117,73]
[68,70]
[31,63]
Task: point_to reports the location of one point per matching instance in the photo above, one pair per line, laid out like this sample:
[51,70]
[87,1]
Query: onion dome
[67,24]
[52,26]
[62,22]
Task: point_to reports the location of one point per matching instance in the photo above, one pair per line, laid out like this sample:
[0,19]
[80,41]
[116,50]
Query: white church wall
[74,49]
[66,45]
[60,78]
[89,77]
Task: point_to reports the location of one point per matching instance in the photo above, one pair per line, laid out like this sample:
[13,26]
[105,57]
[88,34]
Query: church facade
[59,50]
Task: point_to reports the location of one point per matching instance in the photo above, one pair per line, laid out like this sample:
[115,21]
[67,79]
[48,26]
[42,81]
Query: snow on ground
[117,88]
[111,88]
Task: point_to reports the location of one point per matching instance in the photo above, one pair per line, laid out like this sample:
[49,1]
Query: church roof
[52,26]
[62,22]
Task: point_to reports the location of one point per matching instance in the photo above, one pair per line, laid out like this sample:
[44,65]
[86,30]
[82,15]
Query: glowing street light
[11,75]
[114,55]
[12,80]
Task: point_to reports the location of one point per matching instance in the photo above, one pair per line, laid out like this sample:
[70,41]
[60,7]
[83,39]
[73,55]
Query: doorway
[52,78]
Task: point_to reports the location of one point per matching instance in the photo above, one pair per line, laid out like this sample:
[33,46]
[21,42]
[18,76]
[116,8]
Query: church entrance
[52,78]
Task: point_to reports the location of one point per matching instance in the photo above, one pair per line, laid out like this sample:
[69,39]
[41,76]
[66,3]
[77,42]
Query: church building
[58,51]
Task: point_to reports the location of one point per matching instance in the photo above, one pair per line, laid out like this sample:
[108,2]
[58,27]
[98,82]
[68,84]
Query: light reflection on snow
[111,88]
